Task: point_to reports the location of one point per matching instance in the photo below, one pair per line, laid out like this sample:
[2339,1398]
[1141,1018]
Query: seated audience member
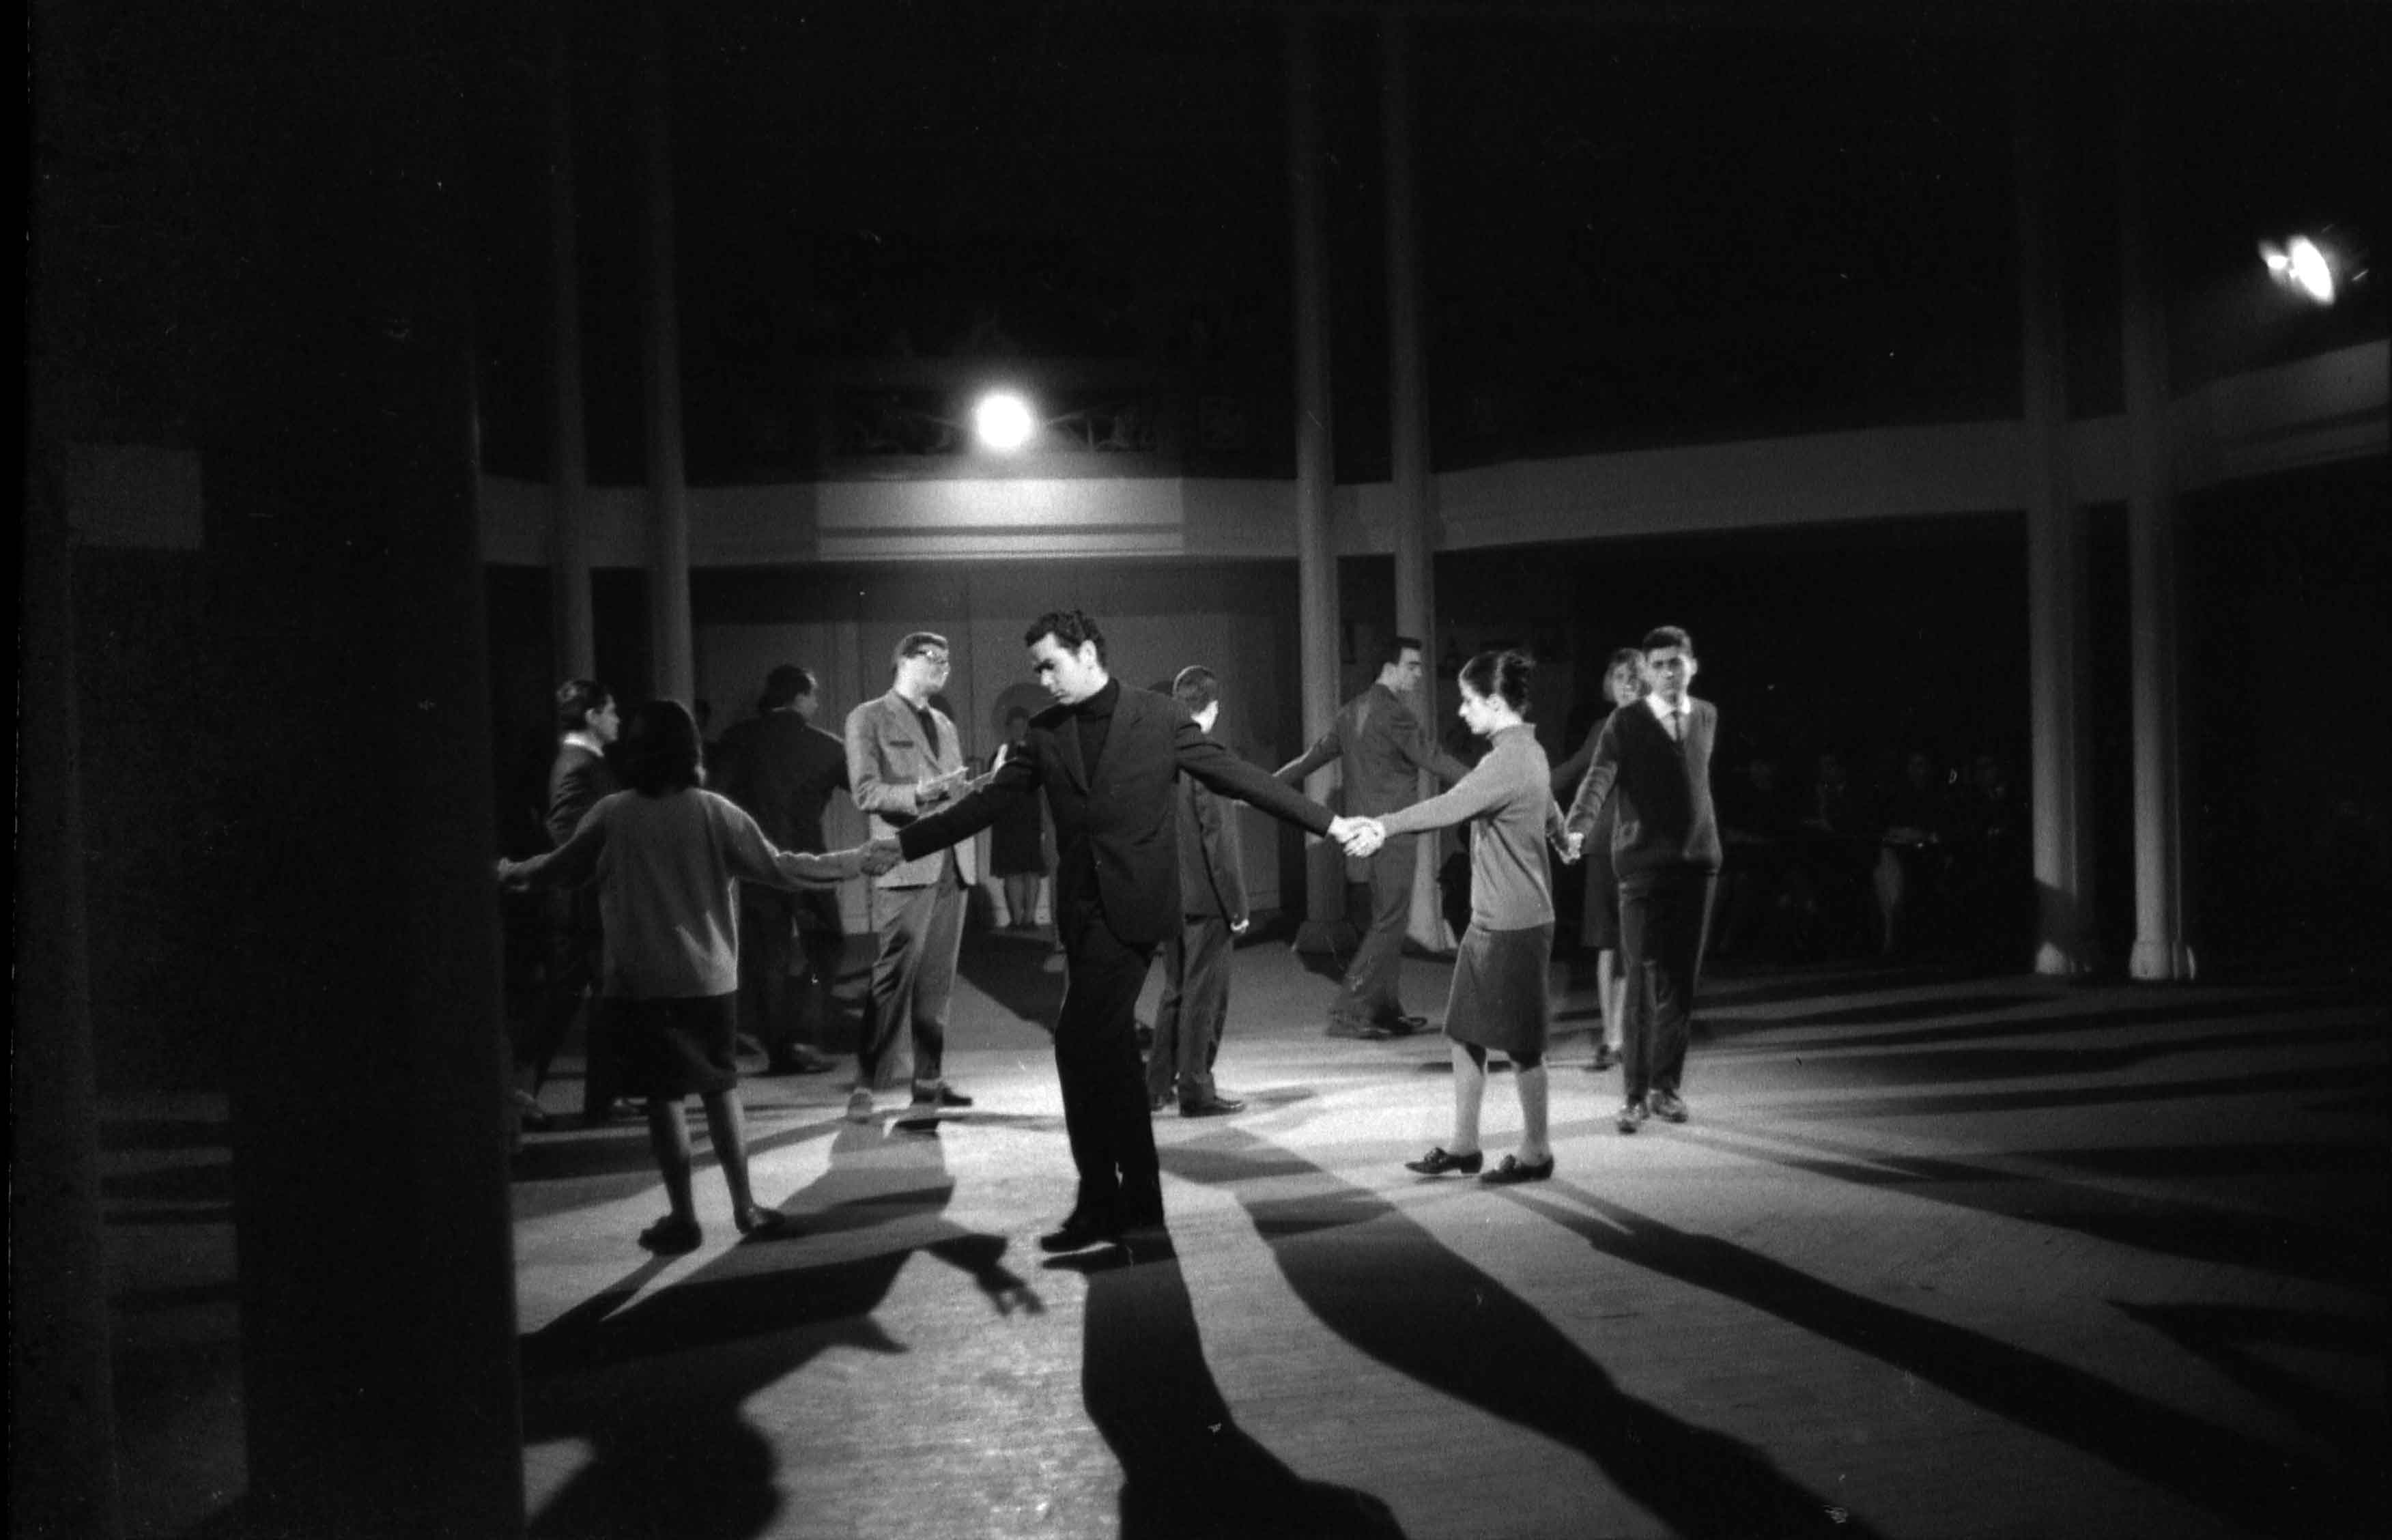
[1993,864]
[1767,895]
[1844,850]
[1910,855]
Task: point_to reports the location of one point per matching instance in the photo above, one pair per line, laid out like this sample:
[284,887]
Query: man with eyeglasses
[904,760]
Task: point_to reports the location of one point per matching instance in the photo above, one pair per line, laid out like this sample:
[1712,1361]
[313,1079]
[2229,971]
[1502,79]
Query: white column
[1316,561]
[2160,949]
[1408,421]
[672,646]
[2056,563]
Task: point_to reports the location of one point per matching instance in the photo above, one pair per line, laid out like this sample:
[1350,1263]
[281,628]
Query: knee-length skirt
[1499,998]
[676,1047]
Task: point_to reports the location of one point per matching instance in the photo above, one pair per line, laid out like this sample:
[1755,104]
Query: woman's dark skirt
[678,1047]
[1499,998]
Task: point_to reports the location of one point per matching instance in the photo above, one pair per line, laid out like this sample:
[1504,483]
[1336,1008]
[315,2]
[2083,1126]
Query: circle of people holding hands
[1144,865]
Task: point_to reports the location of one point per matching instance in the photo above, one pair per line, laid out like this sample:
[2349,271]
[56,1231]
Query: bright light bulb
[2299,264]
[1003,422]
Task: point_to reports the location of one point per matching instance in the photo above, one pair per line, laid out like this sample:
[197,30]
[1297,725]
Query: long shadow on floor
[2348,1253]
[1945,1066]
[1189,1472]
[2267,1490]
[2180,1016]
[1949,1103]
[656,1387]
[1414,1305]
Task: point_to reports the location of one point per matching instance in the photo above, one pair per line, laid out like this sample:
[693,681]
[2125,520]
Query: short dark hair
[660,748]
[1393,652]
[1069,628]
[783,685]
[1669,636]
[1195,688]
[576,699]
[1501,674]
[916,641]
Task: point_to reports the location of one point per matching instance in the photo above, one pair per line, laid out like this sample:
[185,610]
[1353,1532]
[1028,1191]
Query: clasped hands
[1360,836]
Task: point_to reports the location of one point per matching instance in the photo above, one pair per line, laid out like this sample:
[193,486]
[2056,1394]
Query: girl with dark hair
[1498,998]
[667,857]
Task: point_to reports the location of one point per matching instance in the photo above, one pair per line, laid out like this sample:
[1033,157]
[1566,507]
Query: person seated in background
[1910,854]
[1844,850]
[1993,864]
[1768,898]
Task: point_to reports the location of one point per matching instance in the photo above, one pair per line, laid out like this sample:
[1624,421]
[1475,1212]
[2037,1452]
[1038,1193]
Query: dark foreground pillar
[358,977]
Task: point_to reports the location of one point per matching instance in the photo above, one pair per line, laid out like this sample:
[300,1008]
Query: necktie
[1677,727]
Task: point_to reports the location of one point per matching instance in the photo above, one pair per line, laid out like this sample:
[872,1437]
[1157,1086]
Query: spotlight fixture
[2303,267]
[1004,420]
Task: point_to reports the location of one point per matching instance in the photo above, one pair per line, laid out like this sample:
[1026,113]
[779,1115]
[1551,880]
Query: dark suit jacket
[1381,750]
[1210,878]
[784,775]
[1663,788]
[1116,822]
[576,783]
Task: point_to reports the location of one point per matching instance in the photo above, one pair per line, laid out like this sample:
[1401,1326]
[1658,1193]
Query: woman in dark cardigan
[1500,997]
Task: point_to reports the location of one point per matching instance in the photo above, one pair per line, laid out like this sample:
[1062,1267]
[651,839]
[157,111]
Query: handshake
[931,790]
[1360,836]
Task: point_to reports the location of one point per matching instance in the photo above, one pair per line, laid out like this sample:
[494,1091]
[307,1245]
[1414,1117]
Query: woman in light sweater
[1498,998]
[668,856]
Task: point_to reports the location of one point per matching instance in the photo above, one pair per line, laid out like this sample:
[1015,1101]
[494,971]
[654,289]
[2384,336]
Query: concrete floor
[1940,1255]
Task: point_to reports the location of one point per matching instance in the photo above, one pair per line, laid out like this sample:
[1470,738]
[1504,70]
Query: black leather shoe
[944,1098]
[1405,1026]
[1078,1232]
[1215,1107]
[1668,1108]
[1513,1170]
[1157,1100]
[1438,1161]
[799,1059]
[1606,1057]
[1631,1116]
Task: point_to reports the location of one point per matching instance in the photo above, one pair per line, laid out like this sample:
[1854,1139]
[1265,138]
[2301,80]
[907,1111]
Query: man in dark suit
[1379,749]
[1108,760]
[784,771]
[585,723]
[1195,1006]
[1655,757]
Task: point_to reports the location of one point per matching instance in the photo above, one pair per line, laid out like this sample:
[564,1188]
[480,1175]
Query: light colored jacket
[887,756]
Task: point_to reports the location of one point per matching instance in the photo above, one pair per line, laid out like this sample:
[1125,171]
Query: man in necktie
[1655,759]
[904,760]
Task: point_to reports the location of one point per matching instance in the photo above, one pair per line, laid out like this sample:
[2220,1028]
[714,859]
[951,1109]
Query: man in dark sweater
[1108,761]
[1655,757]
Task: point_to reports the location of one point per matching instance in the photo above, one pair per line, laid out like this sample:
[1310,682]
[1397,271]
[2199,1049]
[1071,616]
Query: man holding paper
[904,760]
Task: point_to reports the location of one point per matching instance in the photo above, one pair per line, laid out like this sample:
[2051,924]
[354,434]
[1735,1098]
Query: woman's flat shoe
[1514,1170]
[757,1219]
[671,1236]
[1438,1161]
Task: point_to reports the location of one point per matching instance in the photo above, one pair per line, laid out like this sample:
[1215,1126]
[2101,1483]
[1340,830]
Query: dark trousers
[1368,994]
[912,979]
[1195,1010]
[576,950]
[781,1005]
[1662,917]
[1095,1058]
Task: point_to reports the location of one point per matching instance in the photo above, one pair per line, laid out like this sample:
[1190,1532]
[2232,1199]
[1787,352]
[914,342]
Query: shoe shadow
[1189,1470]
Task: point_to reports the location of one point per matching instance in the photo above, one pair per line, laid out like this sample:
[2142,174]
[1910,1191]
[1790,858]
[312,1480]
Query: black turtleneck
[1094,719]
